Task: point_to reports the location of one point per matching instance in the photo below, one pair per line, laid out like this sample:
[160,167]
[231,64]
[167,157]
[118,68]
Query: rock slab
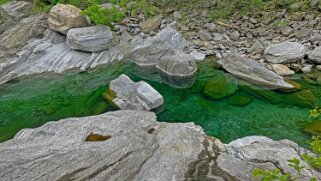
[16,10]
[253,72]
[132,145]
[286,52]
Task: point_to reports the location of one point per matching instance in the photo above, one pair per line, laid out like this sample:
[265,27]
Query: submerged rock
[253,72]
[128,95]
[132,145]
[287,52]
[301,98]
[90,39]
[313,128]
[63,17]
[239,100]
[219,88]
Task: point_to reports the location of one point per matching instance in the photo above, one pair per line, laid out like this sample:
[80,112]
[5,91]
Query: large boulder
[63,17]
[315,55]
[286,52]
[128,95]
[132,145]
[90,39]
[219,87]
[166,42]
[253,72]
[16,10]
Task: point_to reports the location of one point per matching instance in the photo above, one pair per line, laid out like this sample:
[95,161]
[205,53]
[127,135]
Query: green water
[33,101]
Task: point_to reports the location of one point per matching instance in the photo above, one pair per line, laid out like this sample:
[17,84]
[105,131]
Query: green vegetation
[3,1]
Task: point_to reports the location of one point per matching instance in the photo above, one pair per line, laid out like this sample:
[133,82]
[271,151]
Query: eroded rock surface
[253,72]
[16,10]
[132,145]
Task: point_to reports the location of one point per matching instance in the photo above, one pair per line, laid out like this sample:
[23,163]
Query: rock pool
[235,111]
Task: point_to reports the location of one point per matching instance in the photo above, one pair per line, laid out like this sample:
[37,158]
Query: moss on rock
[219,88]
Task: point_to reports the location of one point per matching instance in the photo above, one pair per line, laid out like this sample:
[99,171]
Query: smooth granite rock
[287,52]
[128,95]
[132,145]
[315,55]
[16,10]
[253,72]
[90,39]
[63,17]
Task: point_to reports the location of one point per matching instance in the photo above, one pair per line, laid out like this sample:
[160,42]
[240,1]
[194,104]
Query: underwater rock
[313,128]
[286,52]
[219,88]
[128,95]
[239,100]
[301,98]
[90,39]
[63,17]
[253,72]
[313,77]
[262,94]
[132,145]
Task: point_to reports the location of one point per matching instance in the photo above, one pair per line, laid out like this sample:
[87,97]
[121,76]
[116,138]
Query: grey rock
[179,65]
[286,30]
[235,35]
[16,10]
[315,55]
[177,15]
[64,17]
[198,56]
[287,52]
[134,96]
[166,42]
[218,37]
[52,54]
[257,47]
[307,69]
[125,36]
[134,146]
[90,39]
[318,67]
[253,72]
[205,35]
[281,69]
[211,26]
[314,3]
[151,24]
[136,40]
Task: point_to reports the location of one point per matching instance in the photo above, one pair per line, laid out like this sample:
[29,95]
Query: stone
[16,10]
[315,55]
[63,17]
[179,65]
[90,39]
[307,69]
[286,31]
[287,52]
[167,42]
[198,56]
[235,35]
[218,37]
[128,95]
[205,35]
[132,145]
[281,69]
[211,26]
[303,98]
[219,88]
[253,72]
[257,47]
[239,100]
[151,24]
[318,67]
[314,3]
[125,36]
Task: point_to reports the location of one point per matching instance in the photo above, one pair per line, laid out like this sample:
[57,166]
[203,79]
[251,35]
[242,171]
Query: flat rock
[128,95]
[132,145]
[315,55]
[253,72]
[64,17]
[90,39]
[151,24]
[287,52]
[16,10]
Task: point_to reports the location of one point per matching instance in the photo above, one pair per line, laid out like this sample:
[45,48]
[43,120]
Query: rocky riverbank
[132,145]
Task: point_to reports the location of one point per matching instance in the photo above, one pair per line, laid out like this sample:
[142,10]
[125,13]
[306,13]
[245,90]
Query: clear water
[33,101]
